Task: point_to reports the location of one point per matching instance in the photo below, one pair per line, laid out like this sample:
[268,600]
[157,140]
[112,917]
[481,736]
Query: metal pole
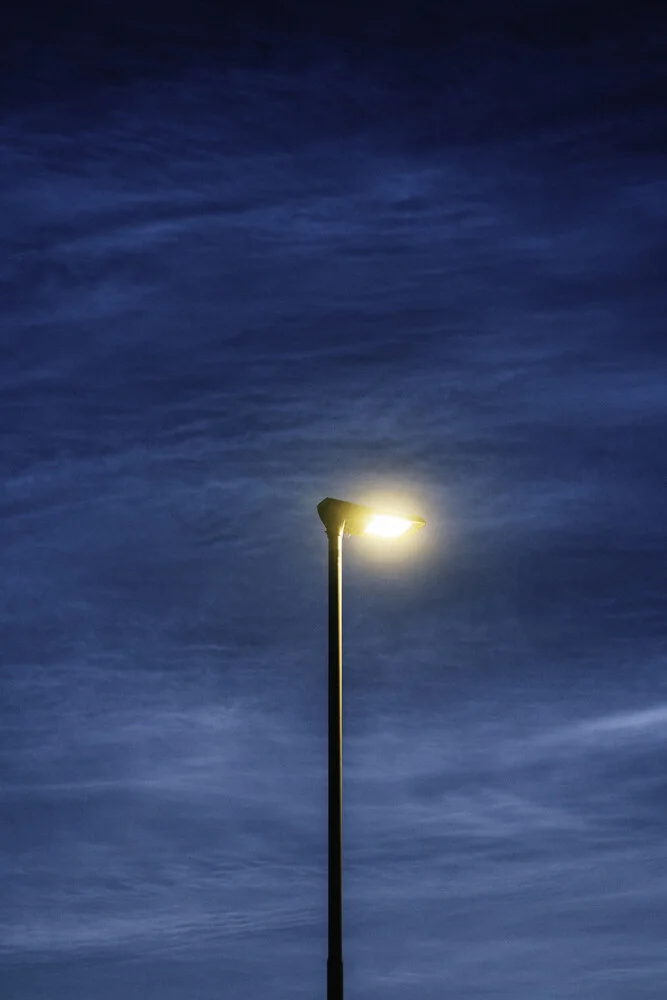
[335,957]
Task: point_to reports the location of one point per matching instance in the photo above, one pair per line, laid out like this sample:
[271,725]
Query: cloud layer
[223,304]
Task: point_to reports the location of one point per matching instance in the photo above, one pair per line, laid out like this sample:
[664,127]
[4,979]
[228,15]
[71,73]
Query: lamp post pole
[335,955]
[341,517]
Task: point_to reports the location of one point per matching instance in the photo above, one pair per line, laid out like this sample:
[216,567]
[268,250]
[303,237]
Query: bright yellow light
[387,526]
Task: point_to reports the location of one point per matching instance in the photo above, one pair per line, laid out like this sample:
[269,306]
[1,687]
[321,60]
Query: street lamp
[342,518]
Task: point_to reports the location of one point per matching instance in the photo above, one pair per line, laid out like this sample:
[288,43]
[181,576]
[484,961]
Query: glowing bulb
[387,526]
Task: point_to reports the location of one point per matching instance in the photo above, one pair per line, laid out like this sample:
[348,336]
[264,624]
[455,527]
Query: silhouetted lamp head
[354,519]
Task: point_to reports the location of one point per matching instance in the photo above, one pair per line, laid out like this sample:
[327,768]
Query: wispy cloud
[608,732]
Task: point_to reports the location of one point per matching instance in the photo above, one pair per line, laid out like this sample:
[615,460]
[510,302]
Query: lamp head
[343,517]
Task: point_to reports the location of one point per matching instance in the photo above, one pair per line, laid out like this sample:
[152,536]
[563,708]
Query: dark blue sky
[384,253]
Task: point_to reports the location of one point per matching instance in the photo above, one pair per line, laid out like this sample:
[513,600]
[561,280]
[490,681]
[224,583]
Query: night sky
[408,254]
